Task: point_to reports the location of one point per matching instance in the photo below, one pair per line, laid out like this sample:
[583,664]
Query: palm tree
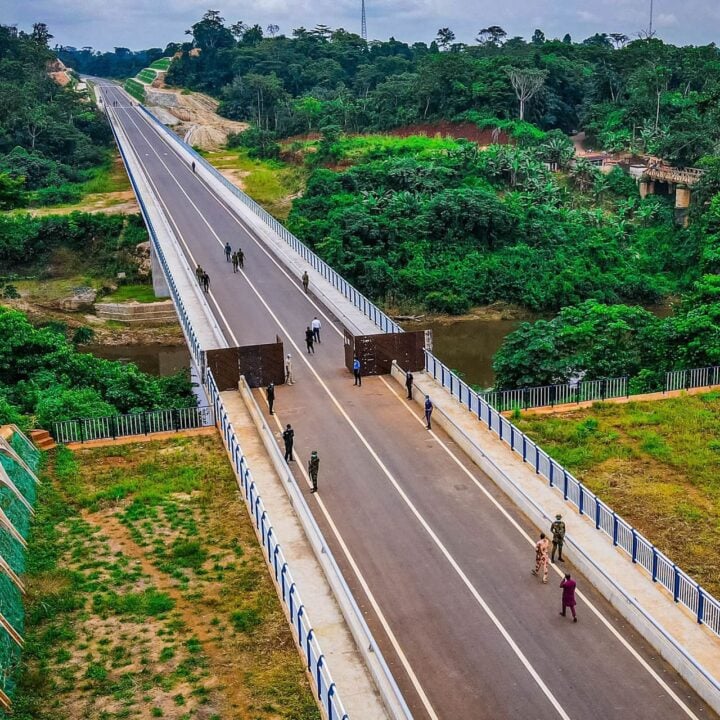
[582,173]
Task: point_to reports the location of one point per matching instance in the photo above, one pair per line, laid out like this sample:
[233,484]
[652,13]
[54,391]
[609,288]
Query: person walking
[193,165]
[305,281]
[289,379]
[313,466]
[428,411]
[199,274]
[310,340]
[568,586]
[541,557]
[356,371]
[271,396]
[228,251]
[558,538]
[241,258]
[288,439]
[235,262]
[206,282]
[315,325]
[409,383]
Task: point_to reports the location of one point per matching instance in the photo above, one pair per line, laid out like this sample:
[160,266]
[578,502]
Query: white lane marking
[596,611]
[251,236]
[445,552]
[177,229]
[426,526]
[366,588]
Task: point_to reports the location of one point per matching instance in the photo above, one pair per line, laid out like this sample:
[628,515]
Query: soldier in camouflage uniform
[313,466]
[558,538]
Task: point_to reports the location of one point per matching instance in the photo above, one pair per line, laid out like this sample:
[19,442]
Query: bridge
[437,558]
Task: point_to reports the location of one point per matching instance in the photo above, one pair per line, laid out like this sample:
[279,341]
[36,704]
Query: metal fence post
[81,425]
[654,564]
[676,583]
[581,498]
[701,605]
[565,484]
[615,529]
[597,513]
[634,544]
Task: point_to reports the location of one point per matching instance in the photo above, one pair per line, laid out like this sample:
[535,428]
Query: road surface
[438,559]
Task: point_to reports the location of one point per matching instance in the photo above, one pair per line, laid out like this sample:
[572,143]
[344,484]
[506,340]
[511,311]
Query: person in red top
[568,596]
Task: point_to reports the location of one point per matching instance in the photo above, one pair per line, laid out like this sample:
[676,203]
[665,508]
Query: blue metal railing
[304,634]
[640,550]
[368,308]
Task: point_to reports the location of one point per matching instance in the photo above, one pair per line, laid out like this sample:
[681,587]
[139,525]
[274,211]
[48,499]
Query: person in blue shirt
[356,371]
[228,251]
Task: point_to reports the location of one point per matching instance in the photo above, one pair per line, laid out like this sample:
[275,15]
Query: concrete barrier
[135,312]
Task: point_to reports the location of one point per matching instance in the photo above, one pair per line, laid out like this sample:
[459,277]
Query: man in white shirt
[315,325]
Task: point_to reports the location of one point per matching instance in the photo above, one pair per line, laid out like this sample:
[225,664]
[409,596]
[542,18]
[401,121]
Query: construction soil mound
[193,116]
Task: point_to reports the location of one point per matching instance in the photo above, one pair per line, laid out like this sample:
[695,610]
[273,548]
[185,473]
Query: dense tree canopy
[43,374]
[49,135]
[643,95]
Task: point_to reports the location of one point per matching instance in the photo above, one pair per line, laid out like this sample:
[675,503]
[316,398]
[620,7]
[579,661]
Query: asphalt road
[438,559]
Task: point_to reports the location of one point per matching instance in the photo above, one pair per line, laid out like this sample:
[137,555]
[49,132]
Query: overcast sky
[138,24]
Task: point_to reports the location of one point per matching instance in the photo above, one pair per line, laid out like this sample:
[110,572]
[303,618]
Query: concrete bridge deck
[436,555]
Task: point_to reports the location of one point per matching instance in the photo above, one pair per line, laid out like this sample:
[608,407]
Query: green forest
[424,223]
[51,137]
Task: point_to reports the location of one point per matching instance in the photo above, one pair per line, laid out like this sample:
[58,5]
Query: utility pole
[650,30]
[363,22]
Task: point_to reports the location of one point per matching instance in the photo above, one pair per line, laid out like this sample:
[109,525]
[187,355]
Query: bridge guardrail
[143,423]
[661,569]
[367,307]
[302,629]
[305,635]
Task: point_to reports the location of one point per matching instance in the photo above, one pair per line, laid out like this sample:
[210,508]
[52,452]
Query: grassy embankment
[148,595]
[273,184]
[657,464]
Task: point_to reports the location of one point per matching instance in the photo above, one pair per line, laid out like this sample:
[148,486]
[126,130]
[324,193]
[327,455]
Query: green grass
[655,463]
[139,293]
[136,89]
[138,596]
[146,75]
[271,183]
[161,64]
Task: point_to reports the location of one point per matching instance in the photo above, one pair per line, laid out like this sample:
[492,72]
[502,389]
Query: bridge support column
[159,285]
[682,204]
[644,187]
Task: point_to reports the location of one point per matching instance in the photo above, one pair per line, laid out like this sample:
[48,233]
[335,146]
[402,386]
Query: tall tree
[526,83]
[445,38]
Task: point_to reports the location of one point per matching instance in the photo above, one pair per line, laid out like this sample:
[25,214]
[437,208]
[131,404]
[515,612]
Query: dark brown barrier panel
[260,364]
[223,364]
[376,352]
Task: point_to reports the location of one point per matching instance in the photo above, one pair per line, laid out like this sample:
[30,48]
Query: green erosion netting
[11,603]
[13,552]
[26,450]
[17,473]
[9,663]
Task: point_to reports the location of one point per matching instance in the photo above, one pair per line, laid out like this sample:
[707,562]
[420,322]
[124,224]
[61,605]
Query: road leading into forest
[438,559]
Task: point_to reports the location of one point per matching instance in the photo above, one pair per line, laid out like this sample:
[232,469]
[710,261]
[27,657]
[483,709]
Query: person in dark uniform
[558,538]
[428,411]
[228,251]
[241,258]
[356,371]
[206,282]
[271,396]
[409,383]
[193,166]
[235,262]
[313,466]
[288,439]
[199,274]
[305,281]
[309,340]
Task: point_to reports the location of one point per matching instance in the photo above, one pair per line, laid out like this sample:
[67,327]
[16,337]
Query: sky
[140,24]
